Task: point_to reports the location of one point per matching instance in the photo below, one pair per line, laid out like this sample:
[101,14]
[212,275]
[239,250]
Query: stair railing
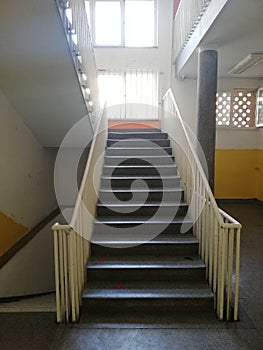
[72,242]
[218,233]
[187,17]
[75,22]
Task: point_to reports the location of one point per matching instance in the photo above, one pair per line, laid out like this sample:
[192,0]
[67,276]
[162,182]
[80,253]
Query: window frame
[258,124]
[123,42]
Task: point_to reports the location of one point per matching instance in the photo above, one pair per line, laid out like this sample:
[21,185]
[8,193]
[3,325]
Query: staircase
[143,251]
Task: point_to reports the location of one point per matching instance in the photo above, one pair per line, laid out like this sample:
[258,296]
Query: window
[139,23]
[236,109]
[129,23]
[108,23]
[260,107]
[124,89]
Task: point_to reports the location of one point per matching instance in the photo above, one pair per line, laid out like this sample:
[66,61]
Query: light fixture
[251,60]
[90,103]
[84,77]
[87,90]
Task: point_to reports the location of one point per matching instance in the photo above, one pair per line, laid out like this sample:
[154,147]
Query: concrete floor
[37,330]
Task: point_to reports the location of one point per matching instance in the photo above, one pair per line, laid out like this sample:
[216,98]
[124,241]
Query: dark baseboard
[23,297]
[239,201]
[27,238]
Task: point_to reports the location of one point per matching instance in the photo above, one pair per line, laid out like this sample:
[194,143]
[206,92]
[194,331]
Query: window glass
[139,23]
[108,23]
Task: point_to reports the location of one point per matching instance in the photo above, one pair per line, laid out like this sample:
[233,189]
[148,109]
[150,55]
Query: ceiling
[36,69]
[237,31]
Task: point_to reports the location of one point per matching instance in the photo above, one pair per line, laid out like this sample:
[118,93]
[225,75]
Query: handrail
[72,241]
[75,22]
[187,17]
[218,233]
[196,159]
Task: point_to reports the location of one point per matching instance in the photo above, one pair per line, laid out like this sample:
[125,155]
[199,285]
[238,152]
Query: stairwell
[143,251]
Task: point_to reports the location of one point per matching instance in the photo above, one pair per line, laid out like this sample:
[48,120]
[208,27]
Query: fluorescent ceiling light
[251,60]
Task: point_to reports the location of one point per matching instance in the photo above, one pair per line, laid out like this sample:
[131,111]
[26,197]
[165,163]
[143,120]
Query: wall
[158,58]
[239,155]
[31,270]
[26,177]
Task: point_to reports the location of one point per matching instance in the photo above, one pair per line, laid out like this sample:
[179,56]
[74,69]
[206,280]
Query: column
[206,107]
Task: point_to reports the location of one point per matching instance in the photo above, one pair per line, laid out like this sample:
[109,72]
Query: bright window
[108,23]
[139,23]
[130,23]
[134,93]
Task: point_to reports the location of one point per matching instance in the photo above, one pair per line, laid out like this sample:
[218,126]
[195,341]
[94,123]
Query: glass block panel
[223,108]
[244,106]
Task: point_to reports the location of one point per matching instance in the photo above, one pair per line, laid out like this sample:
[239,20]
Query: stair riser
[138,152]
[120,171]
[143,211]
[152,183]
[145,136]
[152,250]
[138,143]
[145,274]
[148,230]
[144,307]
[152,196]
[125,160]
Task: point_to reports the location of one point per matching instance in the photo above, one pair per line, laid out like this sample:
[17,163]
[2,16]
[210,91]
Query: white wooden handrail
[72,241]
[218,233]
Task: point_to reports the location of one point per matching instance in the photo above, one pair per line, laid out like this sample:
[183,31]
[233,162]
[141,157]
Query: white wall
[158,58]
[260,138]
[185,92]
[26,176]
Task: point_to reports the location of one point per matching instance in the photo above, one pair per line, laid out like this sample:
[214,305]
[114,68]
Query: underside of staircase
[143,251]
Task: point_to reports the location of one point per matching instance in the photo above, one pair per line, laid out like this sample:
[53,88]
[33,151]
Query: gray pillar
[206,108]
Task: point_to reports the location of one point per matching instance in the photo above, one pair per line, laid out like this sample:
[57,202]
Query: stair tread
[146,262]
[138,177]
[129,220]
[174,240]
[129,190]
[137,148]
[136,139]
[147,289]
[147,204]
[140,156]
[140,166]
[137,132]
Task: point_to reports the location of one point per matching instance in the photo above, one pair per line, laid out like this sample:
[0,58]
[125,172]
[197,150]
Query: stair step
[145,160]
[138,143]
[137,135]
[122,170]
[176,245]
[139,195]
[132,130]
[145,290]
[151,181]
[146,269]
[141,209]
[138,151]
[140,228]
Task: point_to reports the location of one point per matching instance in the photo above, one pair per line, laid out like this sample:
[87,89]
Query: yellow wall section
[10,232]
[239,173]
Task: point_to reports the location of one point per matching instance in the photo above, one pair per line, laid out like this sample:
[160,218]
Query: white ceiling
[36,69]
[237,31]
